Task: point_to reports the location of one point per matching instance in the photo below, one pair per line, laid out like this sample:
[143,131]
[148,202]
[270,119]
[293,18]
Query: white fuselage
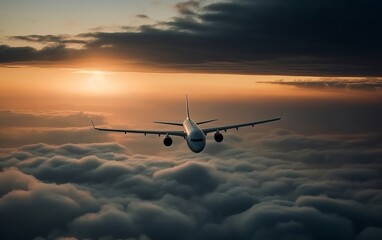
[196,139]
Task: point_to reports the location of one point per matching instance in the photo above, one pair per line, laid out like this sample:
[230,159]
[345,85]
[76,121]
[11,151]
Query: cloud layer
[298,187]
[320,38]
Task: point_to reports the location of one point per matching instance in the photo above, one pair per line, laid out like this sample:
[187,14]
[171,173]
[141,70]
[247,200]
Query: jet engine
[167,141]
[218,137]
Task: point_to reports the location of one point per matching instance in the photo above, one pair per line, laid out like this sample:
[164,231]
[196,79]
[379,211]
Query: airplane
[192,133]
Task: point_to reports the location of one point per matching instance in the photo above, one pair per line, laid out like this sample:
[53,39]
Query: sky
[316,174]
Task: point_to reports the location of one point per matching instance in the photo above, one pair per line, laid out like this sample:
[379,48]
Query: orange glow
[135,100]
[65,88]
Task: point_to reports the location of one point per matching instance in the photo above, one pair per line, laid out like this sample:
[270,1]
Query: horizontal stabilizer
[208,121]
[170,123]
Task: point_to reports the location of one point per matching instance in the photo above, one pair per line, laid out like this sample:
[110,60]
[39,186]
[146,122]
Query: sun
[97,82]
[96,79]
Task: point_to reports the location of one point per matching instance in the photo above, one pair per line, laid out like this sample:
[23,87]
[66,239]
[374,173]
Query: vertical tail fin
[187,110]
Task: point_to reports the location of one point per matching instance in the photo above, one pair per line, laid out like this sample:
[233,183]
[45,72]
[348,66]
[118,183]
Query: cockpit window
[196,139]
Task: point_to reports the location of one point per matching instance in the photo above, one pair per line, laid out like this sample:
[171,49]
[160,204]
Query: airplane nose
[196,147]
[199,148]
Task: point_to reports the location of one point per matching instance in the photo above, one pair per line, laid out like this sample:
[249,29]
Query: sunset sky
[317,174]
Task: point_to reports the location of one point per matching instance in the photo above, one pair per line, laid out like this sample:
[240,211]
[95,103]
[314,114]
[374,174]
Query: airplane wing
[237,126]
[145,132]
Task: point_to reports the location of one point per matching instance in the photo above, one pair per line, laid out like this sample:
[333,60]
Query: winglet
[282,113]
[93,123]
[187,109]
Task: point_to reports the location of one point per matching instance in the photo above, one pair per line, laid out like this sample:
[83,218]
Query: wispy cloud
[374,84]
[56,39]
[26,127]
[143,16]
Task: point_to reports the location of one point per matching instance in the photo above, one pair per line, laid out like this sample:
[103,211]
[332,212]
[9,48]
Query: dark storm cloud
[225,193]
[320,38]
